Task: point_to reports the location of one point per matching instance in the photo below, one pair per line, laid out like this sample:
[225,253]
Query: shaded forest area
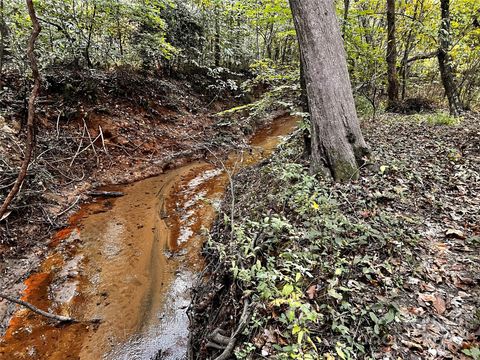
[382,262]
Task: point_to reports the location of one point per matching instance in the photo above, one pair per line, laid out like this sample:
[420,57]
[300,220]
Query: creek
[130,262]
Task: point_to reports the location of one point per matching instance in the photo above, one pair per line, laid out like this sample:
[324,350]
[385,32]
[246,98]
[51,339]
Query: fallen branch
[106,194]
[36,310]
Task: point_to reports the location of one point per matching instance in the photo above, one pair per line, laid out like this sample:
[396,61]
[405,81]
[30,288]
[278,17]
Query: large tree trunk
[31,109]
[445,60]
[338,147]
[393,85]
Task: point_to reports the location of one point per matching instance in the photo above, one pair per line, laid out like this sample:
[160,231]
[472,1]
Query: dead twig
[63,319]
[79,148]
[103,139]
[58,124]
[92,142]
[69,208]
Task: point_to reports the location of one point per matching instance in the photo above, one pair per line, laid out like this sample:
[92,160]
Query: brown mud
[129,262]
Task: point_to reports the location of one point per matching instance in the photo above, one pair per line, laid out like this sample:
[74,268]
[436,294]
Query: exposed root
[220,342]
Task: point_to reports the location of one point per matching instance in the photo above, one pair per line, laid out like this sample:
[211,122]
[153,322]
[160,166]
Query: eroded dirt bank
[95,129]
[129,262]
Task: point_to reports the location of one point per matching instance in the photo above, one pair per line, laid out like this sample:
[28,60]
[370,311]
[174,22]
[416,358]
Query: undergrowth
[309,263]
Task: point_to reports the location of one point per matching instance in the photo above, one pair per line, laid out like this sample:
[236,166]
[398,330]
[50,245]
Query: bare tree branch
[423,56]
[31,109]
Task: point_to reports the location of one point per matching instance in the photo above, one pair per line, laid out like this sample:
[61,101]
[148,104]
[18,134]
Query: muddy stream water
[130,262]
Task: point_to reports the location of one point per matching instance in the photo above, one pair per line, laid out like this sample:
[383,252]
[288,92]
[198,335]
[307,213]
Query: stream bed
[129,262]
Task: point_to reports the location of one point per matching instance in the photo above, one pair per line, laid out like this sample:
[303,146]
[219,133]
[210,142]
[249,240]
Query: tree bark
[217,47]
[346,10]
[445,60]
[417,12]
[86,51]
[338,147]
[31,109]
[393,85]
[3,35]
[307,139]
[119,30]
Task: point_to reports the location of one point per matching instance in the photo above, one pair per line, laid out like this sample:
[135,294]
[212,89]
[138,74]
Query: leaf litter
[396,273]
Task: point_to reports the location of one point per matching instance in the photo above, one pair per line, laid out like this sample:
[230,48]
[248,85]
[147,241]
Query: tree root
[227,344]
[62,319]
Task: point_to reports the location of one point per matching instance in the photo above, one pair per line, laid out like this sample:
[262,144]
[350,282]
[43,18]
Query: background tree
[338,146]
[3,34]
[167,36]
[445,60]
[393,85]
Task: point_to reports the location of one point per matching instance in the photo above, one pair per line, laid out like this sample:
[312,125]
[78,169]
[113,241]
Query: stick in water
[37,310]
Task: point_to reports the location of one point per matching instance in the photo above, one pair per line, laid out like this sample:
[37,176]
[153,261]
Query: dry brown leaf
[455,234]
[312,292]
[427,286]
[412,345]
[439,305]
[416,310]
[426,297]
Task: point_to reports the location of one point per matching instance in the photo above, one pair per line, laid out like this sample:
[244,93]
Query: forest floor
[385,267]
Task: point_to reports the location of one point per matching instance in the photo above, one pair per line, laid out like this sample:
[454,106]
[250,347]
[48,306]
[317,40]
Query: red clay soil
[131,128]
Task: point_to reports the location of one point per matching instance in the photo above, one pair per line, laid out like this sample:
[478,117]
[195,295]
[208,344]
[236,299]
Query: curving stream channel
[130,262]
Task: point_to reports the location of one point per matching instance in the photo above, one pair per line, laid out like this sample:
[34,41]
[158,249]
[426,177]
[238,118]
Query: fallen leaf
[416,310]
[439,305]
[312,292]
[452,347]
[427,286]
[365,214]
[412,345]
[455,234]
[5,215]
[426,297]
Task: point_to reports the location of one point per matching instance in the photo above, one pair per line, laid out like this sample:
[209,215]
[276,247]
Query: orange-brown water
[129,262]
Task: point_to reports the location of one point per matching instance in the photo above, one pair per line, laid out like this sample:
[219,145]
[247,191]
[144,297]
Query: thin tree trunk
[346,10]
[445,60]
[257,29]
[338,147]
[119,30]
[89,38]
[217,47]
[393,86]
[408,47]
[3,34]
[268,41]
[31,109]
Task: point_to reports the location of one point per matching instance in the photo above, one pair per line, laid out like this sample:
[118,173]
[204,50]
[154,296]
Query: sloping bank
[305,269]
